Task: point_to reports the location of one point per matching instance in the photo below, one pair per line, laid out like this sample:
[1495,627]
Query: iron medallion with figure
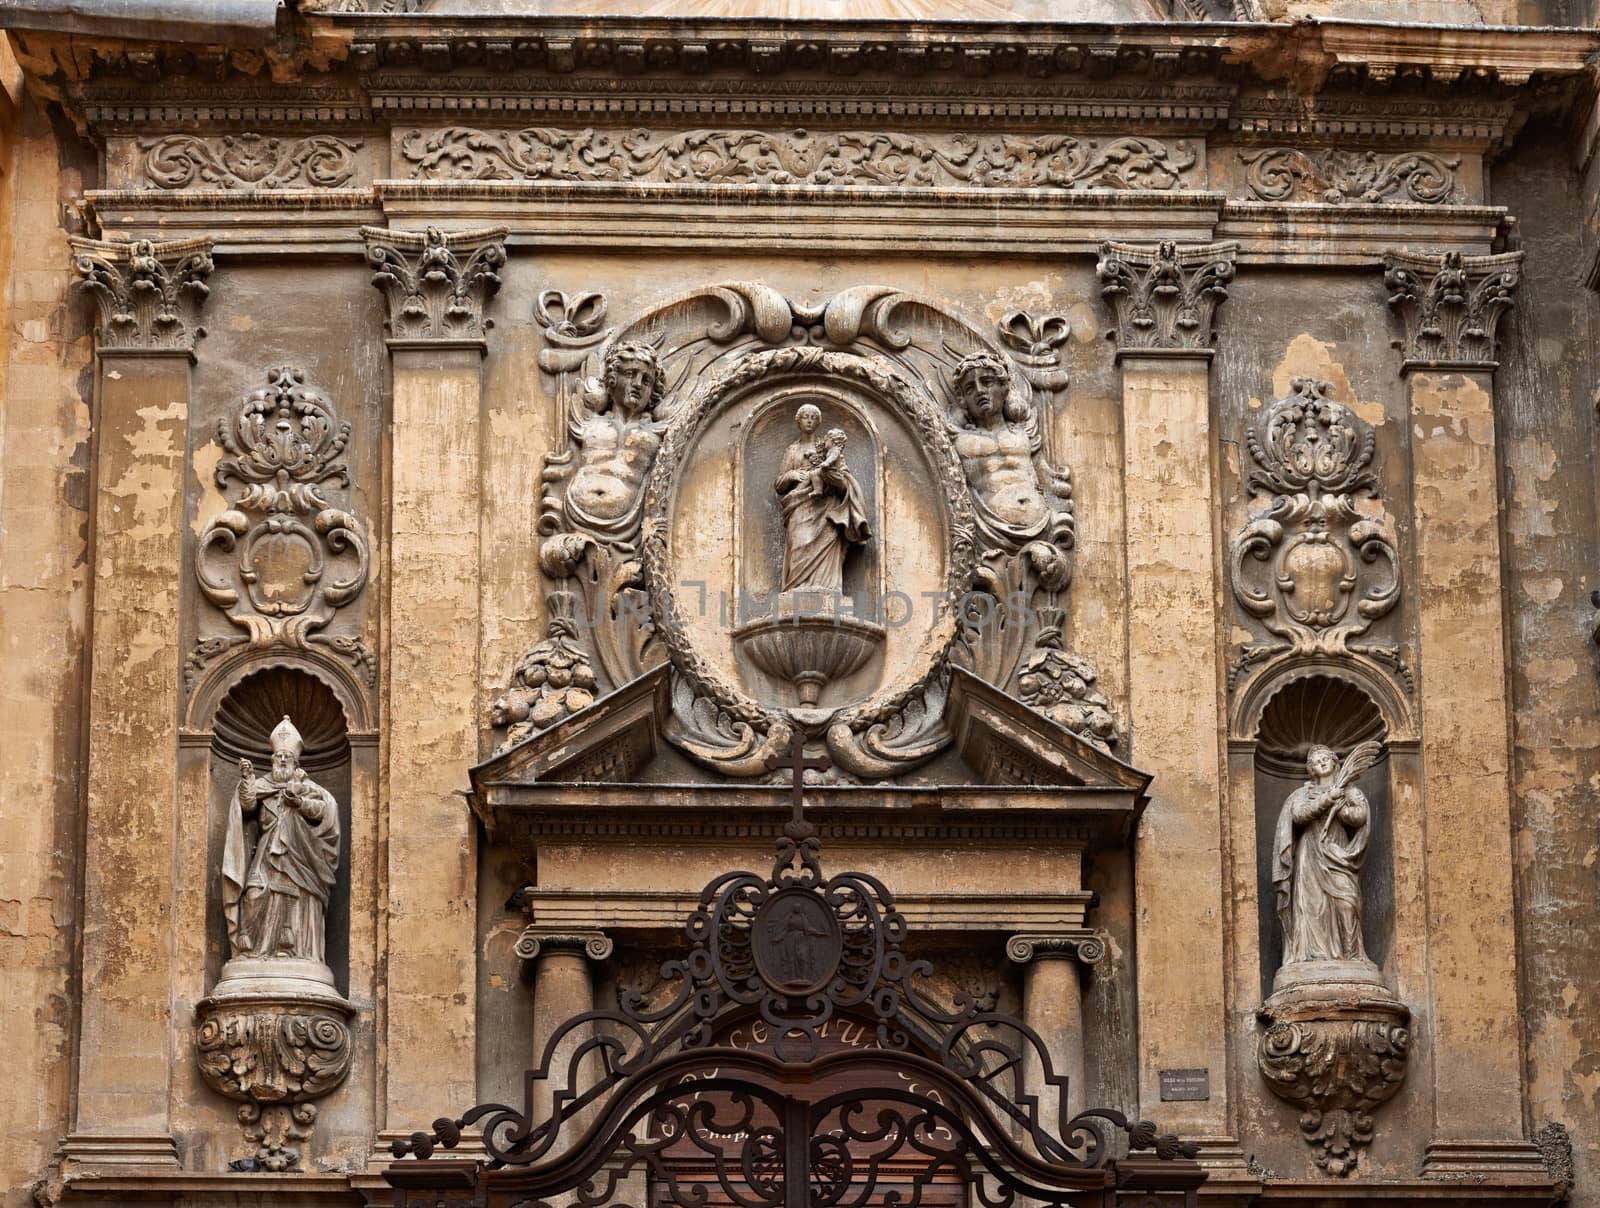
[796,942]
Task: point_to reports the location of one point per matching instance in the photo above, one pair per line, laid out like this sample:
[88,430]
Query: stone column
[1165,299]
[1052,1005]
[437,286]
[150,296]
[563,988]
[1450,307]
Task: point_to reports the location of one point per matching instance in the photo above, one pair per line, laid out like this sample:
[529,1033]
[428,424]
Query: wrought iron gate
[645,1104]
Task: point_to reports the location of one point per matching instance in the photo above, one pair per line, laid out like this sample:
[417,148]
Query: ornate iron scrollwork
[939,1099]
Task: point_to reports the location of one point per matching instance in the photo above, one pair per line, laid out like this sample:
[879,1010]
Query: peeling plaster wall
[45,385]
[1546,422]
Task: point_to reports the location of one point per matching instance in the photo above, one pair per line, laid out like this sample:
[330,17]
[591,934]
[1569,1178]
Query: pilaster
[1165,299]
[1449,307]
[149,295]
[1053,967]
[438,286]
[563,989]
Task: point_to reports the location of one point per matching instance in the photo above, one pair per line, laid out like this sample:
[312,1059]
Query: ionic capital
[1085,947]
[1451,306]
[1165,297]
[534,940]
[149,294]
[437,283]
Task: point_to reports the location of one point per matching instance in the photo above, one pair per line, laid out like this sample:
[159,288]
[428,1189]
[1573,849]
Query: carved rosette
[283,558]
[1336,1055]
[1342,177]
[274,1054]
[149,294]
[249,161]
[1165,297]
[1451,306]
[1311,456]
[798,157]
[437,283]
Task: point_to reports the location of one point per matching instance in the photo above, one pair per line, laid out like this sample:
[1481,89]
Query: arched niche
[225,673]
[241,728]
[1318,709]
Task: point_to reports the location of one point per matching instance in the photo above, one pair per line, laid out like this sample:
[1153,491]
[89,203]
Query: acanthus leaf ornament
[283,558]
[438,283]
[150,294]
[1451,306]
[1342,177]
[1311,456]
[1165,297]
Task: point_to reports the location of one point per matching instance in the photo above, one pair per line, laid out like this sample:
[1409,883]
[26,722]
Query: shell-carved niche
[736,461]
[284,557]
[1312,567]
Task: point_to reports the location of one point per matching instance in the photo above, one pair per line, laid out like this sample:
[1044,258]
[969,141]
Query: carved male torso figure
[997,454]
[618,445]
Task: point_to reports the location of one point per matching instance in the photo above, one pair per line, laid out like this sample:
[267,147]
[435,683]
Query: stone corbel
[437,283]
[149,294]
[1451,306]
[1165,297]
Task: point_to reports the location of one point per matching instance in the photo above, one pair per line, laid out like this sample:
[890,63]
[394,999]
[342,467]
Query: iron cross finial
[797,761]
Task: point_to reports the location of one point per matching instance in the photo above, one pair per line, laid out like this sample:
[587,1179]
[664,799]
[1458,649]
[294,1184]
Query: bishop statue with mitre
[275,895]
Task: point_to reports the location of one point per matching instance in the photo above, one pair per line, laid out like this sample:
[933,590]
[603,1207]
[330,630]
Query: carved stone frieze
[883,158]
[283,558]
[437,283]
[1451,306]
[1311,457]
[1342,177]
[1165,297]
[248,161]
[274,1056]
[149,294]
[1336,1059]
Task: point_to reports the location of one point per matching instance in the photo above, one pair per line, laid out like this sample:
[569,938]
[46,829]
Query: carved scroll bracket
[1451,306]
[438,284]
[150,294]
[1165,297]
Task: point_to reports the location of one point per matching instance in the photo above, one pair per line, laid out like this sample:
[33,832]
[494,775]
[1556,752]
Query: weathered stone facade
[1143,464]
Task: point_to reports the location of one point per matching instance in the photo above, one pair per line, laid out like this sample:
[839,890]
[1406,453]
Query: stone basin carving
[808,647]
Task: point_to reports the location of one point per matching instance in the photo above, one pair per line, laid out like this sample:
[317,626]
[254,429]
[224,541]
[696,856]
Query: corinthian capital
[149,294]
[1451,306]
[1165,297]
[438,283]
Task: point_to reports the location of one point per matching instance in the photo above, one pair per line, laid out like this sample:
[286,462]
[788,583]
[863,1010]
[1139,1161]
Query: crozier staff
[275,896]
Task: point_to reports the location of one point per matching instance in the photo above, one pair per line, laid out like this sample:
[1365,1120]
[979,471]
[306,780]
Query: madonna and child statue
[813,636]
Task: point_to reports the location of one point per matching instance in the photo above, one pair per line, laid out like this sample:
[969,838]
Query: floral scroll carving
[873,158]
[1311,456]
[249,161]
[283,558]
[1165,297]
[1338,177]
[150,294]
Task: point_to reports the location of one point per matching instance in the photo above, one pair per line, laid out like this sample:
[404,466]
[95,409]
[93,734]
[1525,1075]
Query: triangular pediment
[1006,742]
[607,742]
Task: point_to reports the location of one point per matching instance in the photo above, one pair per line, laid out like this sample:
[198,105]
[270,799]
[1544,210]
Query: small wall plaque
[1179,1086]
